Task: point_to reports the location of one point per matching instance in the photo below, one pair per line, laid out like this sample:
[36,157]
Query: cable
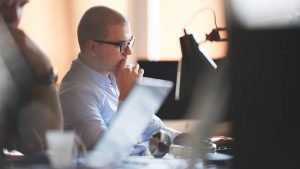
[200,11]
[214,34]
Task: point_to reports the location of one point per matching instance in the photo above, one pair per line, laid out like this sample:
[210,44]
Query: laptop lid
[133,117]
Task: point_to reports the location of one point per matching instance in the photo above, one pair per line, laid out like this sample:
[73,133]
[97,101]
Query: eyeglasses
[122,44]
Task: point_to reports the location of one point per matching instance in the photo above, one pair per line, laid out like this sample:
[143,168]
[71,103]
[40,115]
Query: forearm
[47,96]
[155,126]
[173,133]
[41,114]
[90,132]
[35,119]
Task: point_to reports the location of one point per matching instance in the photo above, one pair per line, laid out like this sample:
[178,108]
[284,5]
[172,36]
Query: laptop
[133,117]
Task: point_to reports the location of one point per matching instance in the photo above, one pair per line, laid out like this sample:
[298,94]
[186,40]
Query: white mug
[62,149]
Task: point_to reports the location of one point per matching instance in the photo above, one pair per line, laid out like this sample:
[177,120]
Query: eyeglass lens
[125,45]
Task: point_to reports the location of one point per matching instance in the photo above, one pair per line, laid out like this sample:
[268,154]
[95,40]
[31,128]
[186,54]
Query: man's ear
[90,47]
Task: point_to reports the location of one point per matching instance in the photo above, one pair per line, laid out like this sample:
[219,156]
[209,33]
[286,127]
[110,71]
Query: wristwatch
[47,79]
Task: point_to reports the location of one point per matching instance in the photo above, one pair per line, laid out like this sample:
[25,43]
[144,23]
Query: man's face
[12,10]
[108,55]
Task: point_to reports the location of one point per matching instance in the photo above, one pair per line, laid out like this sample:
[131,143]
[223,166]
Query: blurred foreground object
[264,77]
[29,103]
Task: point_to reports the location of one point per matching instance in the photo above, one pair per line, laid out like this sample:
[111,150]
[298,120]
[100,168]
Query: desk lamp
[194,61]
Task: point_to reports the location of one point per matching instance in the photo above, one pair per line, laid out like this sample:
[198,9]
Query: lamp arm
[200,11]
[214,35]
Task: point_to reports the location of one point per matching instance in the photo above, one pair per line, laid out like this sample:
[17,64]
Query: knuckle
[127,69]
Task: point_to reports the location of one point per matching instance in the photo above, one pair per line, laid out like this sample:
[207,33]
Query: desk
[133,162]
[180,125]
[187,125]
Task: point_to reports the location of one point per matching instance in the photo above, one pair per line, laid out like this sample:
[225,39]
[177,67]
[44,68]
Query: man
[101,78]
[31,106]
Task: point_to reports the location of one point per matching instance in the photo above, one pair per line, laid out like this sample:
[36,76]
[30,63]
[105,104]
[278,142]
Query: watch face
[159,144]
[55,75]
[47,79]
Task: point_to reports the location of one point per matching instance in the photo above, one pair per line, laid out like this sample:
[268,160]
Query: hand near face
[127,76]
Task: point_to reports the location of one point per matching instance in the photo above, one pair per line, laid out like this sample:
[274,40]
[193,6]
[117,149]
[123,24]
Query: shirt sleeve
[173,133]
[81,109]
[154,126]
[90,132]
[120,103]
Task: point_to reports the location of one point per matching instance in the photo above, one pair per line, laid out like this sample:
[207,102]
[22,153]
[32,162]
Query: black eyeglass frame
[122,44]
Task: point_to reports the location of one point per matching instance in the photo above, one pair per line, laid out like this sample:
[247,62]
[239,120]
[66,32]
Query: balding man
[101,78]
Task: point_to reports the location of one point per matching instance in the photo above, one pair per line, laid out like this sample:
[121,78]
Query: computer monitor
[264,98]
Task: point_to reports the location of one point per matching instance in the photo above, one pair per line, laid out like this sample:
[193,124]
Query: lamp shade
[191,51]
[194,63]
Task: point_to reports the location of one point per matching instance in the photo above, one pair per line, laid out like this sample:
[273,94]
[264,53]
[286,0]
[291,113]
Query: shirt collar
[98,78]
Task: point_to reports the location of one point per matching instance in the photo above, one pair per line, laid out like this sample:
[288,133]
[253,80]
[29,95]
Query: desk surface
[129,163]
[133,162]
[187,125]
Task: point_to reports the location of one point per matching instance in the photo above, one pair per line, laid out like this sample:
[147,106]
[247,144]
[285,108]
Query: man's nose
[127,51]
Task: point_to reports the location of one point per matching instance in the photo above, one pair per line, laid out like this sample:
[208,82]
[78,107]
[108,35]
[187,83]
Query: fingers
[123,63]
[141,72]
[129,66]
[127,76]
[136,67]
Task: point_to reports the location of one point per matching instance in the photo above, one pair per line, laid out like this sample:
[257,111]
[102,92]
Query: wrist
[46,79]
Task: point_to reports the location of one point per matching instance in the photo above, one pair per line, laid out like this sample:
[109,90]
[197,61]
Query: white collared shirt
[90,101]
